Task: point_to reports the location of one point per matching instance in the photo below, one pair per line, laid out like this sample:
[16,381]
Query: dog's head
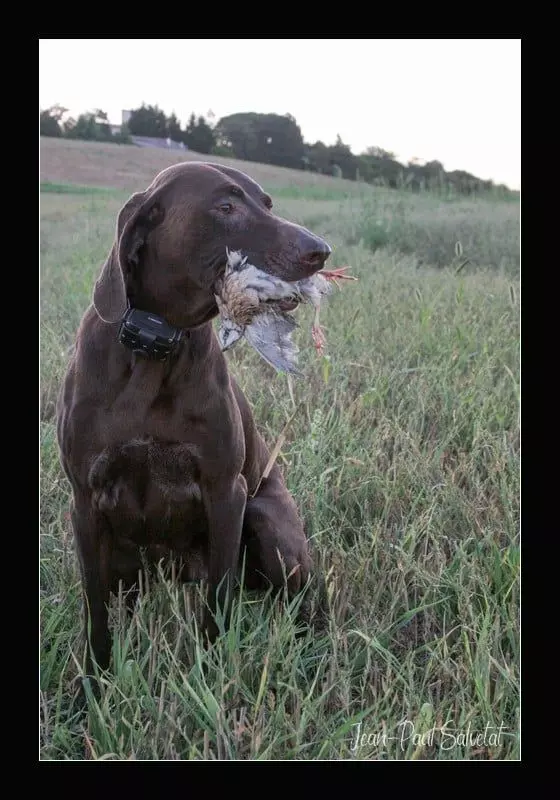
[171,243]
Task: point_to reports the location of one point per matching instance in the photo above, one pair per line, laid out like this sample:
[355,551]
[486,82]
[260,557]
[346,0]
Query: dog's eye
[227,208]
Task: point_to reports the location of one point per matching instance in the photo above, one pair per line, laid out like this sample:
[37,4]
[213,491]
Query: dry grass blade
[276,450]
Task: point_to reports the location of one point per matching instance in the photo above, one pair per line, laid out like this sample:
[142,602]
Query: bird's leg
[319,339]
[337,274]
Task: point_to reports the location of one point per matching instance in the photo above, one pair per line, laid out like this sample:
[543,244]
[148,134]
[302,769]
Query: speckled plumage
[248,300]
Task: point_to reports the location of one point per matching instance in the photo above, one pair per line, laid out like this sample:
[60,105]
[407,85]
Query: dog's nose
[315,252]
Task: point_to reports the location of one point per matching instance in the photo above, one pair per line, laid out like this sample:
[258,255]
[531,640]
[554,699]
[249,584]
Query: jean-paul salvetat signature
[445,738]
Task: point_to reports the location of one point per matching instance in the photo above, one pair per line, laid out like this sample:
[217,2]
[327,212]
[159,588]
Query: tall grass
[404,459]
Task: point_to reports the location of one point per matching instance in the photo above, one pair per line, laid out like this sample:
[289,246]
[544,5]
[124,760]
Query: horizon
[467,116]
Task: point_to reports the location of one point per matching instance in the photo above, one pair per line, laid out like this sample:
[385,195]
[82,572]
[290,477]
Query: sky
[454,100]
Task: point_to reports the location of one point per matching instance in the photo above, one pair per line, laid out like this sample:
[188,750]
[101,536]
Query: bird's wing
[270,335]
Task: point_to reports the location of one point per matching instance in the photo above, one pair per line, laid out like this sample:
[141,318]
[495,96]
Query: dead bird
[252,304]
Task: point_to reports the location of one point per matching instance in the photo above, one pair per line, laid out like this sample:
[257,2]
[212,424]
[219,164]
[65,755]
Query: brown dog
[163,456]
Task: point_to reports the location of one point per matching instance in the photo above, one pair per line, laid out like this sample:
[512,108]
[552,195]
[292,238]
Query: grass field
[403,456]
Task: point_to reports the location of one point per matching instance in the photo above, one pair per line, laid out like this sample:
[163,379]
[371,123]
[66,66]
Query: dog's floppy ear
[139,214]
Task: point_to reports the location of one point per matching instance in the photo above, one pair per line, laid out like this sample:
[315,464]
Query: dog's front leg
[225,508]
[93,539]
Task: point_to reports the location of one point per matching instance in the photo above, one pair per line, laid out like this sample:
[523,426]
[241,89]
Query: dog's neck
[193,356]
[193,346]
[197,358]
[184,307]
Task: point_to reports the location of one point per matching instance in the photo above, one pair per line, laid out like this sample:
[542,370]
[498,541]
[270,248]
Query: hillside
[131,168]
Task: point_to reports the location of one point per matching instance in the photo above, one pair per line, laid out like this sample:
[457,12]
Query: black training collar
[148,335]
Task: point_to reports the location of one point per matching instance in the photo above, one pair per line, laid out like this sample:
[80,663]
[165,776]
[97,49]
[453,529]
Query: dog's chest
[202,415]
[149,491]
[146,480]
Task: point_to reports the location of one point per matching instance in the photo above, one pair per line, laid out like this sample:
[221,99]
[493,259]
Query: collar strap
[148,335]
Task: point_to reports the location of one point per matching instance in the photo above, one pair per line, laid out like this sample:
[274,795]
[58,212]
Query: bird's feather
[246,298]
[270,335]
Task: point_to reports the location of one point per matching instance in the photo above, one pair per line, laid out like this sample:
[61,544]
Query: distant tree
[269,138]
[82,128]
[67,126]
[58,111]
[94,126]
[316,157]
[189,127]
[199,136]
[148,121]
[379,152]
[123,136]
[173,128]
[236,135]
[50,119]
[343,161]
[434,166]
[91,126]
[102,121]
[434,175]
[378,168]
[463,182]
[48,126]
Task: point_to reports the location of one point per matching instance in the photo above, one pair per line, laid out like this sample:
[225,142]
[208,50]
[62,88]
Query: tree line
[269,139]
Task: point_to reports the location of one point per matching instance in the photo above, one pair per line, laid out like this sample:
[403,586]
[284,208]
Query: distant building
[152,141]
[146,141]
